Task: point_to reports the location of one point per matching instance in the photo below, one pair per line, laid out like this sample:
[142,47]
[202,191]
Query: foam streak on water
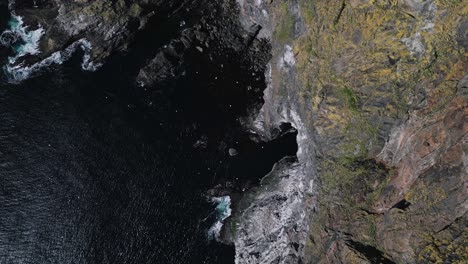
[18,72]
[223,211]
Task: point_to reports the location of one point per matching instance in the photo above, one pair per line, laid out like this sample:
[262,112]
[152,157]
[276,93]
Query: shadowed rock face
[99,28]
[109,26]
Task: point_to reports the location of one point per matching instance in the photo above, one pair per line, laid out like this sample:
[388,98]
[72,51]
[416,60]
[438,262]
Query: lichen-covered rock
[380,90]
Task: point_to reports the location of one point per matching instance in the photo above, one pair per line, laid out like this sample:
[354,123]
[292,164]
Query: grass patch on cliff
[351,175]
[135,10]
[340,172]
[285,26]
[350,98]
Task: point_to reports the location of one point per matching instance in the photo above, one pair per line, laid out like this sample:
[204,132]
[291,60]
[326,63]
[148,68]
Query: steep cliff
[380,90]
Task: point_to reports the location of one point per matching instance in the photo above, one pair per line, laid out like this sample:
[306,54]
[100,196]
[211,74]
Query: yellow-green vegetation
[352,177]
[99,7]
[357,50]
[445,250]
[372,230]
[285,25]
[355,60]
[349,186]
[425,195]
[110,12]
[362,65]
[340,173]
[135,10]
[350,98]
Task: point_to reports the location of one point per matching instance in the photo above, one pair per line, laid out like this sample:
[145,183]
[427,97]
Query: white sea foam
[223,211]
[87,64]
[17,71]
[30,39]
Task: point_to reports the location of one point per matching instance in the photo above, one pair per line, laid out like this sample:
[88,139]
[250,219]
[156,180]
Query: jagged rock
[107,25]
[272,224]
[217,36]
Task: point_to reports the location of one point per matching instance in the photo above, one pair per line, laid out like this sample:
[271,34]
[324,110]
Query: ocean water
[90,173]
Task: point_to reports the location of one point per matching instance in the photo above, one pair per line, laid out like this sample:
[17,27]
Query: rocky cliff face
[379,88]
[271,222]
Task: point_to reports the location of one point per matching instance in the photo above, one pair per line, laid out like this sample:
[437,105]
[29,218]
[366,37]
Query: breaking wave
[29,45]
[223,211]
[18,32]
[18,73]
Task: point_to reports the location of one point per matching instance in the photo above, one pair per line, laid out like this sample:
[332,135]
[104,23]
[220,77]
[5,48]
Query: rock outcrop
[98,28]
[107,25]
[216,37]
[270,220]
[380,174]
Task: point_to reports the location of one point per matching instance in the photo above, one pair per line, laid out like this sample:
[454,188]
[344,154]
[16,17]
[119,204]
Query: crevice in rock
[450,225]
[371,253]
[255,30]
[402,205]
[340,13]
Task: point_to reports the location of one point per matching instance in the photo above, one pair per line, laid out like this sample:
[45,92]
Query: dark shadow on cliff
[372,254]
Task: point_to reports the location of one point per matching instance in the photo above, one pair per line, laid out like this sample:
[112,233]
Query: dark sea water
[89,173]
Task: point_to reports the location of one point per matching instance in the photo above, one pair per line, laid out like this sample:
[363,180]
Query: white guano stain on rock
[274,227]
[288,58]
[273,220]
[414,44]
[426,10]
